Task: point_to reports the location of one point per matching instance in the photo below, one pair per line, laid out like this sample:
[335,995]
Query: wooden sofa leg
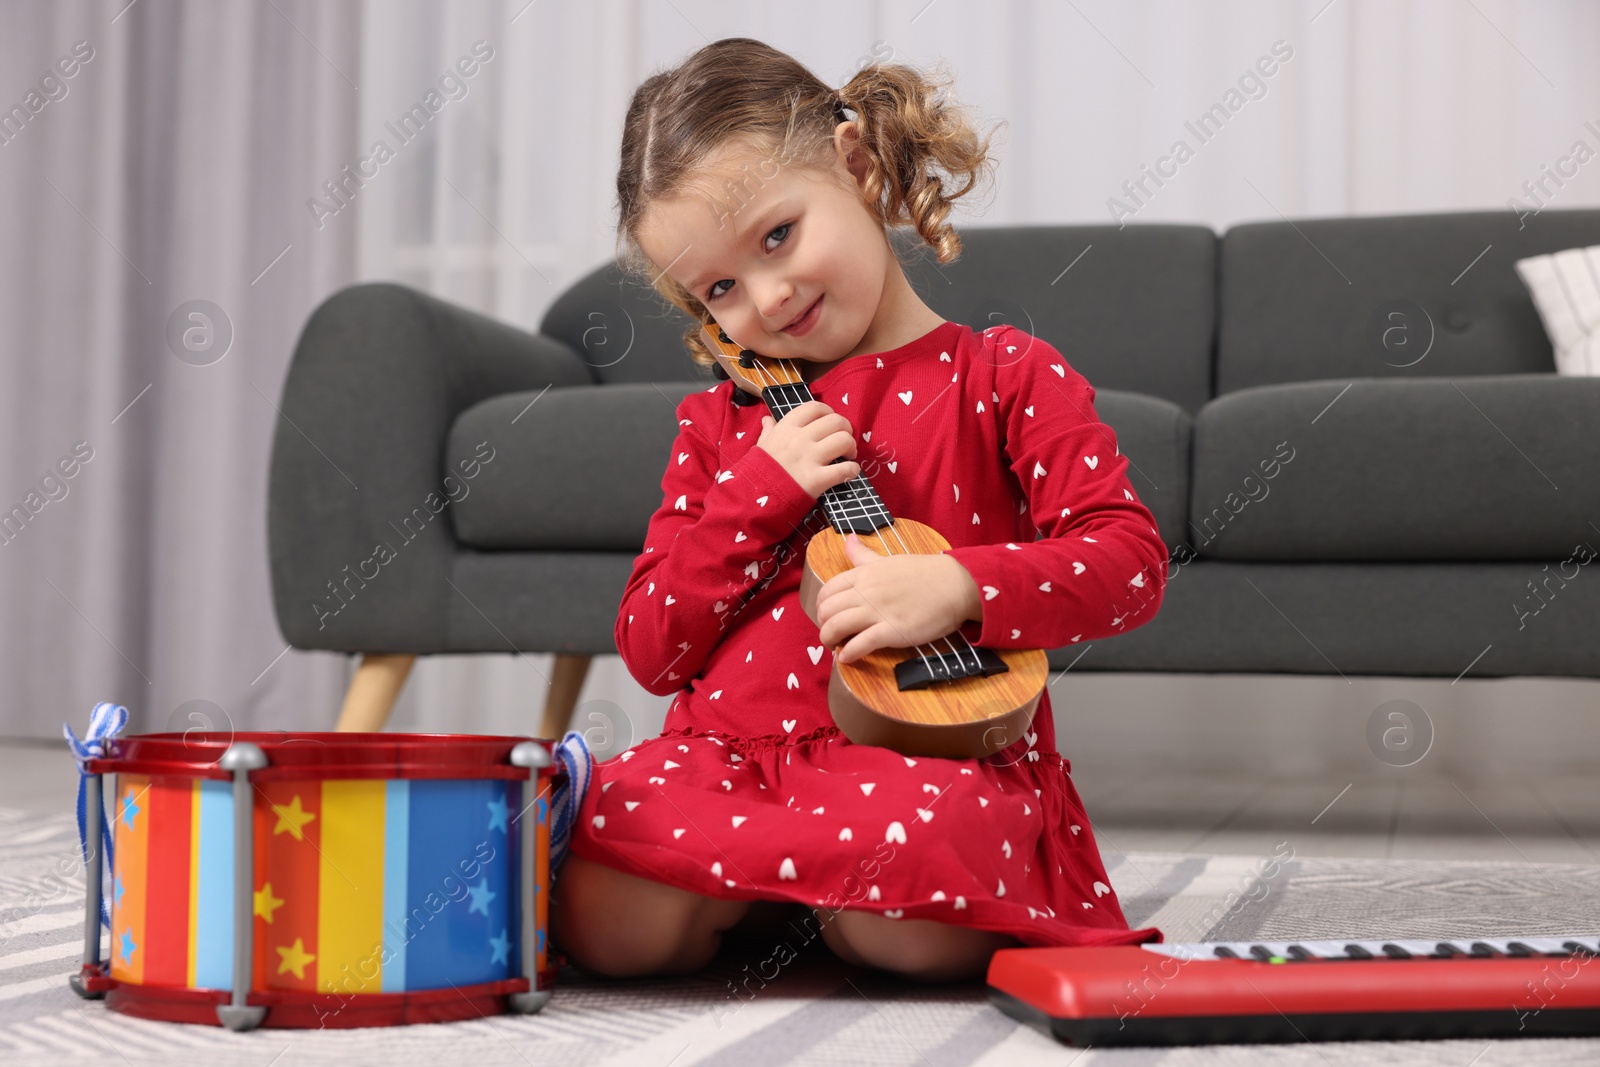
[374,690]
[566,682]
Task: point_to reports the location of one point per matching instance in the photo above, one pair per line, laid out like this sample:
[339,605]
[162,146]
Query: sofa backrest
[1392,296]
[1131,308]
[623,329]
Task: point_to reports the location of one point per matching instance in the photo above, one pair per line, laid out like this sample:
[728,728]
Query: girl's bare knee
[617,924]
[920,949]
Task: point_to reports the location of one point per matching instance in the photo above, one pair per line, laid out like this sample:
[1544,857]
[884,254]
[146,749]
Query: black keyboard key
[1226,953]
[1578,948]
[1262,953]
[1445,950]
[1395,952]
[1485,950]
[1357,952]
[1517,948]
[1296,952]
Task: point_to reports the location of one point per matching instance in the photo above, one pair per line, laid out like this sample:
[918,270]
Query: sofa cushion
[1390,297]
[1131,309]
[1154,435]
[1404,469]
[580,469]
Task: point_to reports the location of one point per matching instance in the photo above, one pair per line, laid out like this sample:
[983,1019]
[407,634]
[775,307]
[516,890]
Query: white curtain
[1370,107]
[171,166]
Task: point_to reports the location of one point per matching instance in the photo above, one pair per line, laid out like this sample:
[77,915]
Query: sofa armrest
[359,544]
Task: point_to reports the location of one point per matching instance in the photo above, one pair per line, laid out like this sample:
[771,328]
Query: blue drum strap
[573,752]
[105,722]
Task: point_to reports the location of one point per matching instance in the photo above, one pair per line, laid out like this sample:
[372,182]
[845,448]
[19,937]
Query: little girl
[748,197]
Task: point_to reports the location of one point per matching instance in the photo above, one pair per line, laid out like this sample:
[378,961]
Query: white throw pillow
[1566,290]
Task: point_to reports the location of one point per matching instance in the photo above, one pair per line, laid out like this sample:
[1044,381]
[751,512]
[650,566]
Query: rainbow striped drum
[322,879]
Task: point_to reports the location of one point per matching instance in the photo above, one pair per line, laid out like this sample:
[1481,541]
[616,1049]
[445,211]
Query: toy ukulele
[945,698]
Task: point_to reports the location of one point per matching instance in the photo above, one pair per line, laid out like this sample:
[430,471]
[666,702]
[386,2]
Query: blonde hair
[922,152]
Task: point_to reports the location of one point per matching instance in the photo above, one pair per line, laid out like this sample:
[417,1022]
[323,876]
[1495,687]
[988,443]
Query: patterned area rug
[813,1010]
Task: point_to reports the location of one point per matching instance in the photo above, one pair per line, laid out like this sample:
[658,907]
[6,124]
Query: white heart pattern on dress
[990,592]
[788,725]
[845,834]
[815,652]
[1092,461]
[677,833]
[906,396]
[737,821]
[1078,568]
[1101,889]
[896,833]
[761,501]
[786,869]
[777,613]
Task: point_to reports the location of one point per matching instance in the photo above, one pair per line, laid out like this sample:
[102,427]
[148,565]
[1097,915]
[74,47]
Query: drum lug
[535,757]
[528,1003]
[84,983]
[241,758]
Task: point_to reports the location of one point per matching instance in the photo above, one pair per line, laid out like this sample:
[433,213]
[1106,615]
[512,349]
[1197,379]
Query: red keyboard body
[1187,994]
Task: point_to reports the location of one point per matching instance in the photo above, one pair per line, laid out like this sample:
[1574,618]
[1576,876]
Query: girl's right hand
[807,441]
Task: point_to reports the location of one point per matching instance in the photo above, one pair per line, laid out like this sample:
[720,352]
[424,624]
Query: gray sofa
[1349,430]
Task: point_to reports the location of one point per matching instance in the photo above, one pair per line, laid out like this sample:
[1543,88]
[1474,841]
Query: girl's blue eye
[713,293]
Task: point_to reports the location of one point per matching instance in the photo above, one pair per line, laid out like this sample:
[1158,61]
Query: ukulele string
[841,513]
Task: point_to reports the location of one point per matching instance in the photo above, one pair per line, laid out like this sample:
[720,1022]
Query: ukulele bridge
[919,672]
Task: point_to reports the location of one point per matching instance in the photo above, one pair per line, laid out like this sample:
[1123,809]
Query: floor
[1405,813]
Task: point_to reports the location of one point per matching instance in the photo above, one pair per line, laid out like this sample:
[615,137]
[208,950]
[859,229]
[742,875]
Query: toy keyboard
[1202,993]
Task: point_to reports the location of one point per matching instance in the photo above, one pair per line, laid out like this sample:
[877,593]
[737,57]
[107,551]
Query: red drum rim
[318,755]
[289,1009]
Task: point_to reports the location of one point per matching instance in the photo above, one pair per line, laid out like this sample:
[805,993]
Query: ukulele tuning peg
[724,338]
[745,359]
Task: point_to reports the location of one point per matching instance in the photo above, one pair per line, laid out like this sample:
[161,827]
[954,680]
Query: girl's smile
[802,326]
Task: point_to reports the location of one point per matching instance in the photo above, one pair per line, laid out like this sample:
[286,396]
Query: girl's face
[790,262]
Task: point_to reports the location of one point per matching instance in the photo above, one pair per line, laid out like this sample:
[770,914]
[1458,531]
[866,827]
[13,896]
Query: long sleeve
[1100,567]
[707,546]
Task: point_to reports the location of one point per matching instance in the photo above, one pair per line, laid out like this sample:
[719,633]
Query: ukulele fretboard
[851,506]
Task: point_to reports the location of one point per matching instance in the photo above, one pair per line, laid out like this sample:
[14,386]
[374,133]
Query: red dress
[751,791]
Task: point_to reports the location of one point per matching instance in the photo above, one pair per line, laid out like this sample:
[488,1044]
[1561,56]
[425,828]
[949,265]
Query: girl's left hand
[894,601]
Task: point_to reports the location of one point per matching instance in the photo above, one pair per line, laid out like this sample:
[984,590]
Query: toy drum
[321,879]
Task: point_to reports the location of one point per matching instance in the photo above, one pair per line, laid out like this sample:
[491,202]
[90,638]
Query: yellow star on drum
[266,903]
[294,958]
[292,818]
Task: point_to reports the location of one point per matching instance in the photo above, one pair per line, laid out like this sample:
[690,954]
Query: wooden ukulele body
[974,716]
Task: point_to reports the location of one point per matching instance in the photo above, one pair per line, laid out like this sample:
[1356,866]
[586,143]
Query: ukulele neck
[852,506]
